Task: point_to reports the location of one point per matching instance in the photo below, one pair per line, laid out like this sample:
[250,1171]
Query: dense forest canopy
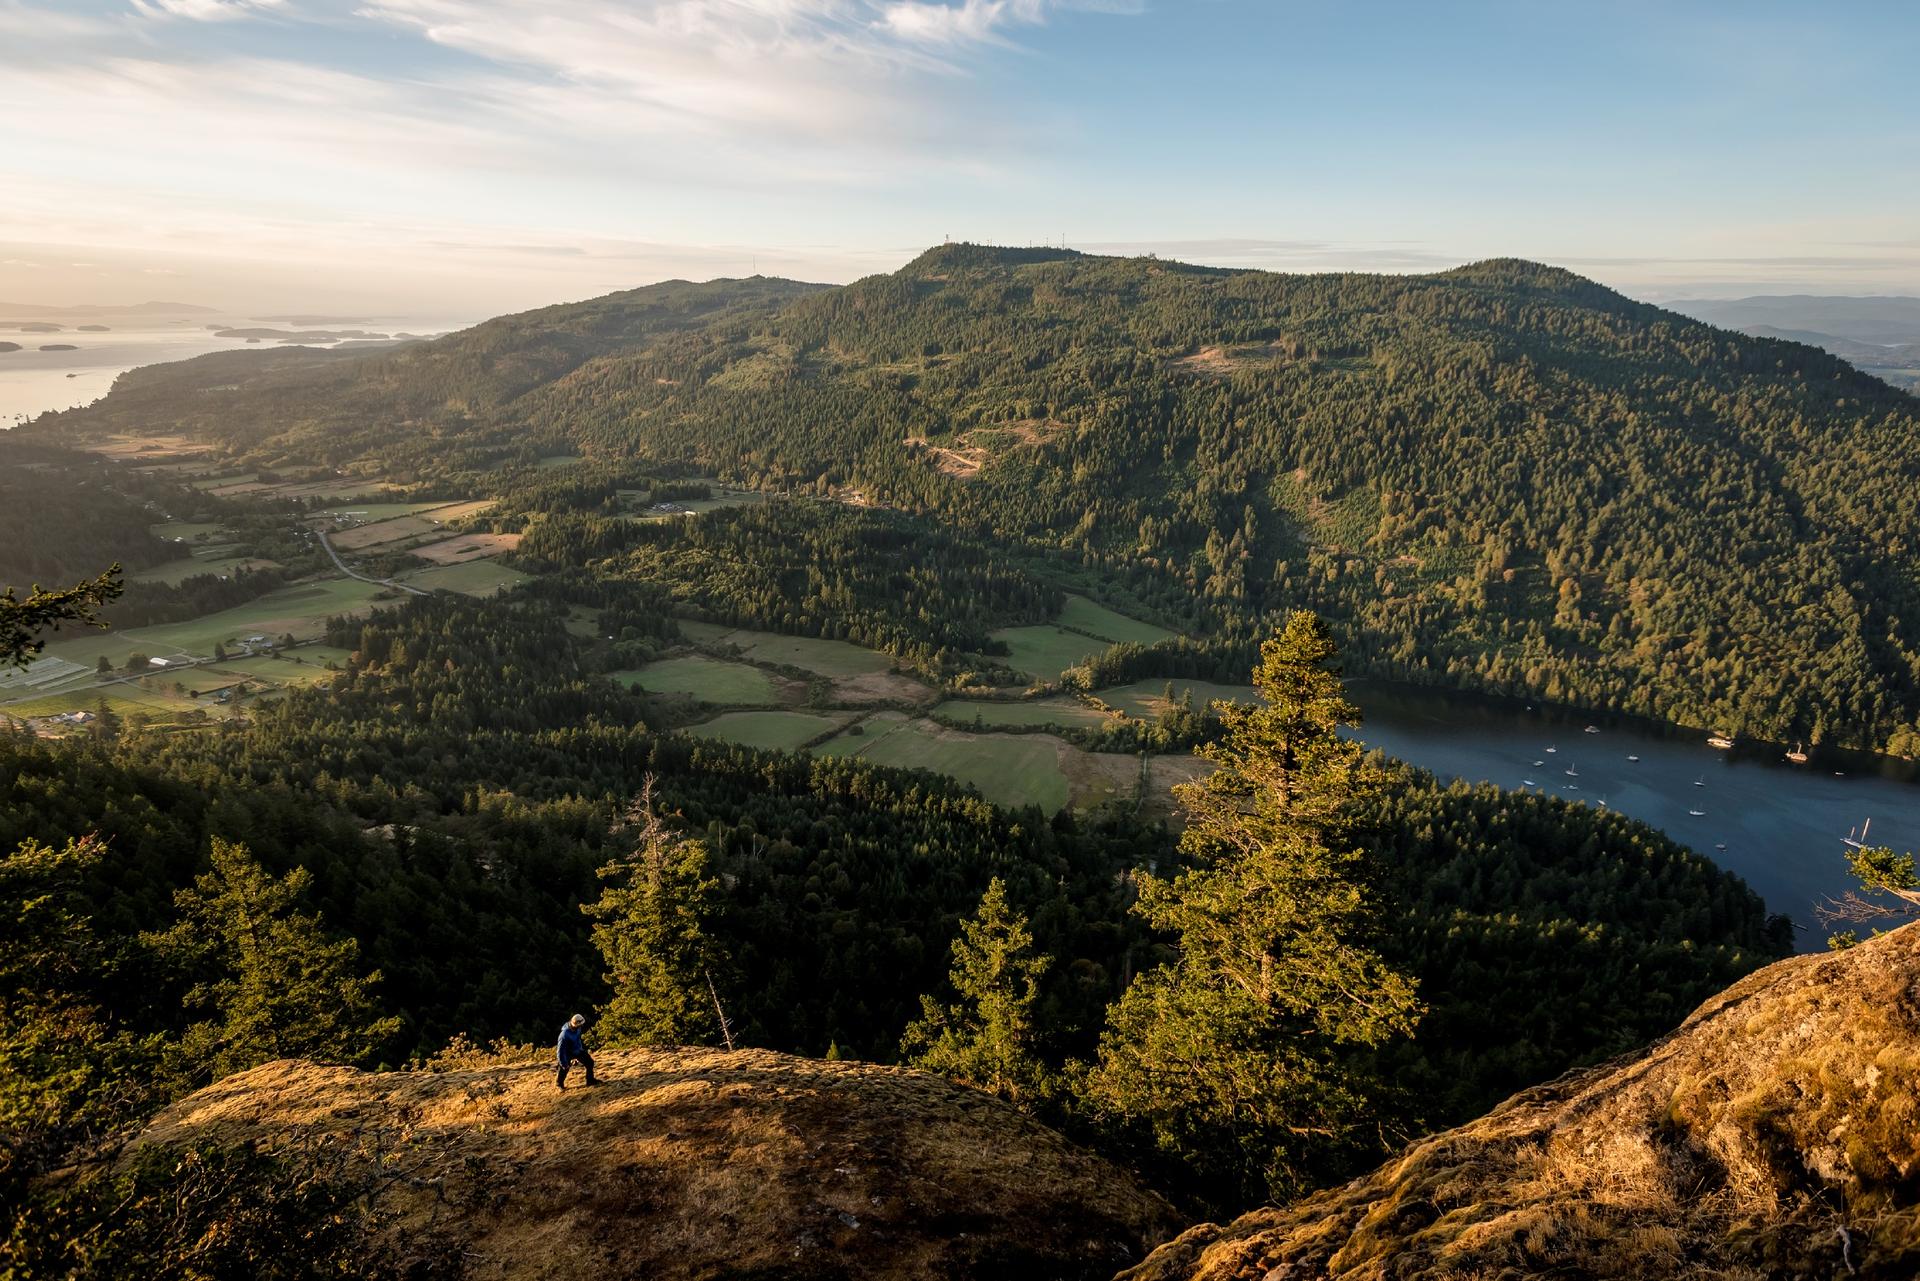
[1501,477]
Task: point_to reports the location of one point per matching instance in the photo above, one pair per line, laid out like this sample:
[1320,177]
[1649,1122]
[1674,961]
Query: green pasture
[822,657]
[301,609]
[1084,615]
[709,680]
[469,578]
[205,561]
[1007,769]
[770,731]
[1147,699]
[1034,712]
[186,531]
[1044,651]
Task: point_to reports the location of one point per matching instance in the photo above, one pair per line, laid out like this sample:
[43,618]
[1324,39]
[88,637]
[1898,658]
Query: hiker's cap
[578,1020]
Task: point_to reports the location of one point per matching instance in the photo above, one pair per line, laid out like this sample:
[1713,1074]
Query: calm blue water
[1781,823]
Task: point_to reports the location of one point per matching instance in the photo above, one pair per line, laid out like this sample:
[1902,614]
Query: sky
[459,158]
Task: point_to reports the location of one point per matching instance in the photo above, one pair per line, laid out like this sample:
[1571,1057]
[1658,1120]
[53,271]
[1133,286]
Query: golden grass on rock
[699,1163]
[1775,1134]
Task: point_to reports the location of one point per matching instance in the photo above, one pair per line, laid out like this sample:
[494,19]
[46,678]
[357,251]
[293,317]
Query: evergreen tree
[986,1040]
[66,1062]
[23,621]
[1238,1057]
[277,985]
[651,926]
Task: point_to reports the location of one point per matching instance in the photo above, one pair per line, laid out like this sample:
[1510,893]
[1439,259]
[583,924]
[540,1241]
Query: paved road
[351,573]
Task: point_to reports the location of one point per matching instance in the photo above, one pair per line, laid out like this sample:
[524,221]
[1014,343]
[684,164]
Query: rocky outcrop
[698,1164]
[1776,1134]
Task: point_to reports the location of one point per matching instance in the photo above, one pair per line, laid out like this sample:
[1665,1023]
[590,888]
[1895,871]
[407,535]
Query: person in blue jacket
[573,1050]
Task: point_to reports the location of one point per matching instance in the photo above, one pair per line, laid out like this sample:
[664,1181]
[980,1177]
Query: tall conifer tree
[1238,1056]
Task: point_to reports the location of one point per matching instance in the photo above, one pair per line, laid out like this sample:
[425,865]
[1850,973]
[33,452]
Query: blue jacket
[571,1046]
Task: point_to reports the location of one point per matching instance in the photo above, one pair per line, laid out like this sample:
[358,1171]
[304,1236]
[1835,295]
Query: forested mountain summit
[1503,476]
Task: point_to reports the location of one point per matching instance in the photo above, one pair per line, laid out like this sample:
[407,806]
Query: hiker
[571,1050]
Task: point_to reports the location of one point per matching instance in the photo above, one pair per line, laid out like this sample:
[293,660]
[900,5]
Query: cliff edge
[1776,1133]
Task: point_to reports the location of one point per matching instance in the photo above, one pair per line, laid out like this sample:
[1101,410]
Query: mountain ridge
[1510,477]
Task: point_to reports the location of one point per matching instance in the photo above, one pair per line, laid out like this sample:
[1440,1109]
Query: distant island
[94,329]
[9,346]
[305,335]
[306,322]
[38,327]
[59,346]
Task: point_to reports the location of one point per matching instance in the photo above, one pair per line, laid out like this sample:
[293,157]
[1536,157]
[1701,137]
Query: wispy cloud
[203,10]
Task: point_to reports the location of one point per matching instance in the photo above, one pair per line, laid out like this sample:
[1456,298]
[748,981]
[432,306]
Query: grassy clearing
[770,731]
[1043,652]
[1041,711]
[708,680]
[1084,615]
[175,572]
[584,623]
[301,609]
[473,578]
[1009,770]
[183,531]
[1147,699]
[371,513]
[823,657]
[377,533]
[465,547]
[279,671]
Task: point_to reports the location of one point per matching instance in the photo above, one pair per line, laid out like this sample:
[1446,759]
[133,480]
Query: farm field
[823,657]
[465,547]
[1044,651]
[1010,770]
[183,531]
[207,560]
[1147,699]
[301,609]
[1039,711]
[709,680]
[1084,615]
[471,578]
[770,731]
[731,498]
[371,513]
[377,533]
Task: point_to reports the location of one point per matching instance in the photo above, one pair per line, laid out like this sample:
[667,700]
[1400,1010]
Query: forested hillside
[1500,477]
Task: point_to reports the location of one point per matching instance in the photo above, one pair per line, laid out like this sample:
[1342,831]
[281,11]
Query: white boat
[1722,845]
[1859,841]
[1552,750]
[1527,782]
[1538,764]
[1719,741]
[1572,772]
[1633,758]
[1701,781]
[1798,755]
[1698,813]
[1593,729]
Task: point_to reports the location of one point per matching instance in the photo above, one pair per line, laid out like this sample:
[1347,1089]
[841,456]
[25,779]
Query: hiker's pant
[584,1059]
